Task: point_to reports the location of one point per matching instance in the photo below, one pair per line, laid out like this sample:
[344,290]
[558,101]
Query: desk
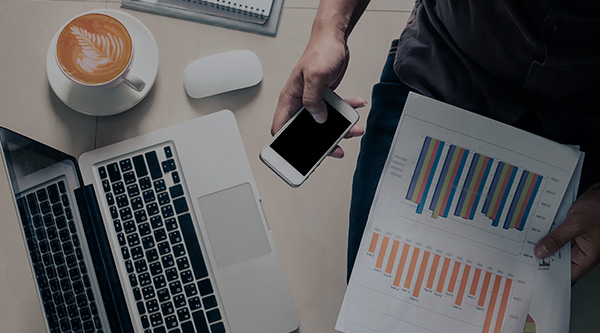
[309,224]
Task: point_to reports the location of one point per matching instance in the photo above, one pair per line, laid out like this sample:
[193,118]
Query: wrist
[330,29]
[336,18]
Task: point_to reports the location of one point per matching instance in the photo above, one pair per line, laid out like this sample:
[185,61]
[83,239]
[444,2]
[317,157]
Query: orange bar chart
[411,267]
[401,264]
[486,284]
[475,282]
[503,305]
[434,266]
[382,251]
[390,265]
[373,244]
[455,277]
[492,304]
[463,285]
[442,280]
[422,269]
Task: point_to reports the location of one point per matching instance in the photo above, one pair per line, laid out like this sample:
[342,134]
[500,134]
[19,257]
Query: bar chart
[449,242]
[423,273]
[472,183]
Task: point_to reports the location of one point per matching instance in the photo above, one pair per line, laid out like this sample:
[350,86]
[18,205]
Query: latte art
[94,49]
[98,53]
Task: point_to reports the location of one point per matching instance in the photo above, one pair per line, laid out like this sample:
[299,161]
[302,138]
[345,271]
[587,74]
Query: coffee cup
[96,50]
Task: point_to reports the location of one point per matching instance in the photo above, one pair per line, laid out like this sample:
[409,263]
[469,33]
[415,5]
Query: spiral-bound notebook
[257,16]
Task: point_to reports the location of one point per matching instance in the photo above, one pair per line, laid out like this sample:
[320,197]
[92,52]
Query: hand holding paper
[582,227]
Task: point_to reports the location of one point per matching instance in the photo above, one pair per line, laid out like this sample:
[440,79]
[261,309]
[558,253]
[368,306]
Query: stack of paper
[448,245]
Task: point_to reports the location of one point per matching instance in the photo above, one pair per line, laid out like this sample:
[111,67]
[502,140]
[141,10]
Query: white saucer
[108,101]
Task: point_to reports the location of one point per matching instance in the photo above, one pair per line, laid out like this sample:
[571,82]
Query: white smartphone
[302,143]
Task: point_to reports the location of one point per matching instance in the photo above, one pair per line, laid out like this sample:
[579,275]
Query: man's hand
[321,66]
[582,228]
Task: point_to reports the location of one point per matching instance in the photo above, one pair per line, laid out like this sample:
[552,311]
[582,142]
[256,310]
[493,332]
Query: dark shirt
[504,58]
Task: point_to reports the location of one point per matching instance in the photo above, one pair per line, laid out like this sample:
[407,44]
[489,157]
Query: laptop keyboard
[165,267]
[58,262]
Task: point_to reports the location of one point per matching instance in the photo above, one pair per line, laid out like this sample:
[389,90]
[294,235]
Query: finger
[290,100]
[355,131]
[337,152]
[563,234]
[356,102]
[312,97]
[584,255]
[579,264]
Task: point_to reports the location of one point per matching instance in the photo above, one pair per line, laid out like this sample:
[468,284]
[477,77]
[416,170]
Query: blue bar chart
[424,172]
[467,181]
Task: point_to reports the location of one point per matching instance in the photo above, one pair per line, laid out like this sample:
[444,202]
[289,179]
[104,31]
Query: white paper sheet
[550,308]
[448,245]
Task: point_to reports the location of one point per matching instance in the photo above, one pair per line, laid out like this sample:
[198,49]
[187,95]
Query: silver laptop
[159,233]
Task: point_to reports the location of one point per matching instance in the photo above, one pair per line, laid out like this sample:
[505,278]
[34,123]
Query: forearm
[338,17]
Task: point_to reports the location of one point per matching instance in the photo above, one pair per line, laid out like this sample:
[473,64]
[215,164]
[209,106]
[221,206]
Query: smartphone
[302,143]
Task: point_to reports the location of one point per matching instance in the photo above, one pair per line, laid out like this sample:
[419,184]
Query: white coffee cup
[96,50]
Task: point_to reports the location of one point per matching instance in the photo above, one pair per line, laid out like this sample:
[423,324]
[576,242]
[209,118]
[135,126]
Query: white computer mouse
[222,72]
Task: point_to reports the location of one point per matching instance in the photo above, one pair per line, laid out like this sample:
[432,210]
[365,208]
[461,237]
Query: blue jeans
[387,102]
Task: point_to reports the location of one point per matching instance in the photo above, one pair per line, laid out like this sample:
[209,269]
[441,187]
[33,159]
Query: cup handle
[134,81]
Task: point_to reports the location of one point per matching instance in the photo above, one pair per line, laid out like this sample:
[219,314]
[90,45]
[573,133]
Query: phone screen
[305,141]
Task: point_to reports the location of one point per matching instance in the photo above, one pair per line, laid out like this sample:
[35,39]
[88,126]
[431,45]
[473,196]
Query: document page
[550,309]
[448,246]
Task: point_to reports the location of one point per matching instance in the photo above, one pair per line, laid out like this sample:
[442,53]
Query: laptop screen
[67,245]
[27,160]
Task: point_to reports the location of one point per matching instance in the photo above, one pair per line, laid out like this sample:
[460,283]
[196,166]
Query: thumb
[312,98]
[555,240]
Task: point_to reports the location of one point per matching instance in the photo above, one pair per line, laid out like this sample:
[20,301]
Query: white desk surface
[309,224]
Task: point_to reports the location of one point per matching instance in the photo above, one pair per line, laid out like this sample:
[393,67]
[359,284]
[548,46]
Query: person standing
[534,65]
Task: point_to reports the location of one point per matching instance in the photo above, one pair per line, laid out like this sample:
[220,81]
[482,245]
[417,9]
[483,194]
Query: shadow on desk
[233,100]
[130,118]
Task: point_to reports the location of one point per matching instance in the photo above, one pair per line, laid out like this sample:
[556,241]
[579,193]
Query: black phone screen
[305,141]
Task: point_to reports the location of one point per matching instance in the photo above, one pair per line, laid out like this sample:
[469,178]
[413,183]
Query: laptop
[159,233]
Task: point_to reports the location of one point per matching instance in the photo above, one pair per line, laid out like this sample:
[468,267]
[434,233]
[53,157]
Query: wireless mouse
[222,72]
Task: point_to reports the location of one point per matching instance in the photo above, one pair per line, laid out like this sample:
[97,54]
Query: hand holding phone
[302,143]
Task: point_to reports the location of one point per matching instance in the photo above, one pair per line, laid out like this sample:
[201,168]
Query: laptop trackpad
[234,225]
